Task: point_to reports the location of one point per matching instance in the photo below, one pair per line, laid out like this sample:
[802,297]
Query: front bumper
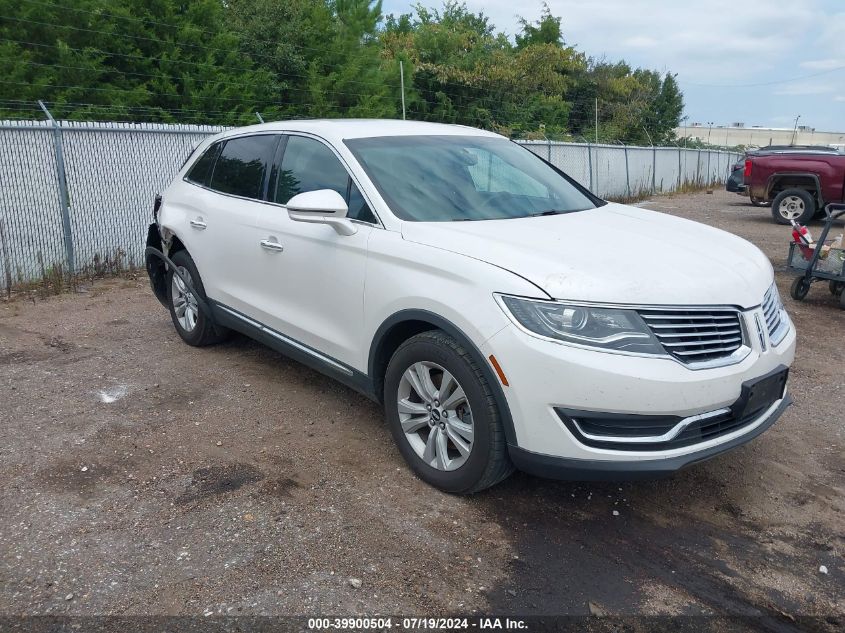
[733,186]
[603,470]
[545,377]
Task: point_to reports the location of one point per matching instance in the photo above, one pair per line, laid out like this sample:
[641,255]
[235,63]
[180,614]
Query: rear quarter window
[242,164]
[200,172]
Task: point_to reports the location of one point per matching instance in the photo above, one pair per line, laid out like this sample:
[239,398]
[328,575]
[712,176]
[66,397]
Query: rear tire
[799,289]
[836,287]
[190,322]
[793,204]
[457,444]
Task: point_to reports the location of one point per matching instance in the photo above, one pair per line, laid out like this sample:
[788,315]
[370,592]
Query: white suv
[503,314]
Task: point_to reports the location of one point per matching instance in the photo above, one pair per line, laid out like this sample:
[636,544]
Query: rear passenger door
[312,286]
[222,221]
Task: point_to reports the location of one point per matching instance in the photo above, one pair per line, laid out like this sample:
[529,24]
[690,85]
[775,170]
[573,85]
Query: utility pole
[709,130]
[795,130]
[402,83]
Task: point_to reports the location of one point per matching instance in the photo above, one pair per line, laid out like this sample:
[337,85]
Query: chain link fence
[76,197]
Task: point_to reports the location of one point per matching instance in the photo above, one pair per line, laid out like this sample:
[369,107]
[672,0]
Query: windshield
[443,178]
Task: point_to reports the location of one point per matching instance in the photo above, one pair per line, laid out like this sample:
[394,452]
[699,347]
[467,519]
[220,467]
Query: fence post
[679,169]
[63,197]
[698,169]
[709,171]
[627,172]
[590,165]
[7,263]
[653,170]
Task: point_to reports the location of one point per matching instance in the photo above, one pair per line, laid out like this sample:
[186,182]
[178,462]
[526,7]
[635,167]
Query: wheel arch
[782,181]
[156,267]
[404,324]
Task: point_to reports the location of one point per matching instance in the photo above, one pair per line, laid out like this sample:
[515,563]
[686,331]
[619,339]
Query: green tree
[546,30]
[220,61]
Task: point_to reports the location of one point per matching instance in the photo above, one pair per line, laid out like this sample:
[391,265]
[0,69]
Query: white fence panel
[30,212]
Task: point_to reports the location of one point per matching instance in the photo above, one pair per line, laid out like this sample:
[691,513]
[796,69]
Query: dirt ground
[143,476]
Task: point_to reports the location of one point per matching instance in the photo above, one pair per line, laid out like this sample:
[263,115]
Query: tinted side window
[242,163]
[201,170]
[308,165]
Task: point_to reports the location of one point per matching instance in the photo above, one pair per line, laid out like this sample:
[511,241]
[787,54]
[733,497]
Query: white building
[758,136]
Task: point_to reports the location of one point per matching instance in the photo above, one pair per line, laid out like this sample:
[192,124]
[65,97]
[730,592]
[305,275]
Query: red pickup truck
[798,184]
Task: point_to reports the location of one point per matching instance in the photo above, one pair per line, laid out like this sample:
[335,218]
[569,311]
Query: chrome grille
[696,336]
[773,311]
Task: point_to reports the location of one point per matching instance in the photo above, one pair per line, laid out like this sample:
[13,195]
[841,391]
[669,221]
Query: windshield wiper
[547,212]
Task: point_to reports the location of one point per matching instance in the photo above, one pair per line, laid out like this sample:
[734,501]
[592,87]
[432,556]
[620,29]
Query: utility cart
[819,261]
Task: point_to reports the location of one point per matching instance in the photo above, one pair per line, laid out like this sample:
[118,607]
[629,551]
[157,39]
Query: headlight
[604,328]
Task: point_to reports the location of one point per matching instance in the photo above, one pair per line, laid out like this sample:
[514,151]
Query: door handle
[198,224]
[272,245]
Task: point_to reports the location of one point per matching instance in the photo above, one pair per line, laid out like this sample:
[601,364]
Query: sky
[759,62]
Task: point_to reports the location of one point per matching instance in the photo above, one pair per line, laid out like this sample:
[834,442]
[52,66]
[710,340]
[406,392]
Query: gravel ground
[143,476]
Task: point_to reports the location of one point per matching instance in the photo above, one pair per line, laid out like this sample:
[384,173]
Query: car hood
[612,254]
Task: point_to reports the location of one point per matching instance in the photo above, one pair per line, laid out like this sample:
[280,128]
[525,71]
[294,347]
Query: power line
[228,51]
[107,70]
[492,101]
[204,65]
[145,21]
[495,94]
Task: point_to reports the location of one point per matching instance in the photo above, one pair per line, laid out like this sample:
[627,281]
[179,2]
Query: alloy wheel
[184,302]
[435,416]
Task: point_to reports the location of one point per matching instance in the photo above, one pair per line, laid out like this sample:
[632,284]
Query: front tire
[793,204]
[443,416]
[190,322]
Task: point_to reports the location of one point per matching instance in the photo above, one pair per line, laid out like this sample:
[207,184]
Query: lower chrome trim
[652,439]
[287,340]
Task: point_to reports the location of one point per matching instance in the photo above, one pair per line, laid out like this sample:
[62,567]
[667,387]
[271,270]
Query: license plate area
[758,395]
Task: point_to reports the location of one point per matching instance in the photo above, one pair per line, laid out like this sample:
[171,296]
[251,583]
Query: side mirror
[323,206]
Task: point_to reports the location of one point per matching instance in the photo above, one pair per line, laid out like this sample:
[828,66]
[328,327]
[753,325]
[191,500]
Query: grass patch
[55,279]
